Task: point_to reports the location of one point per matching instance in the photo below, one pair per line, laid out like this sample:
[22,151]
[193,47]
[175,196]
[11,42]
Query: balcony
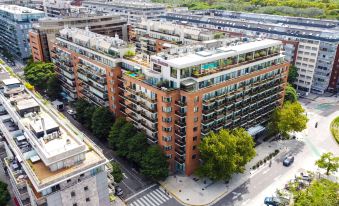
[232,64]
[180,123]
[144,115]
[180,142]
[144,106]
[180,159]
[180,103]
[180,151]
[180,113]
[180,133]
[142,95]
[149,127]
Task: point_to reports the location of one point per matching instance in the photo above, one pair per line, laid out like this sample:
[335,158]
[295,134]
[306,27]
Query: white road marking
[159,196]
[276,178]
[124,175]
[264,172]
[139,202]
[156,198]
[162,194]
[150,201]
[144,201]
[140,192]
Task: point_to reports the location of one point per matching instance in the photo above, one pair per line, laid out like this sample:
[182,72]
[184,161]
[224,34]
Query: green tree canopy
[53,87]
[38,74]
[321,192]
[290,94]
[116,172]
[4,194]
[289,118]
[292,74]
[102,120]
[154,163]
[84,112]
[328,162]
[137,146]
[126,132]
[225,153]
[113,137]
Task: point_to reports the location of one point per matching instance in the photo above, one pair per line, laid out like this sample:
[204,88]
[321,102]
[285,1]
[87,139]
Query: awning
[255,130]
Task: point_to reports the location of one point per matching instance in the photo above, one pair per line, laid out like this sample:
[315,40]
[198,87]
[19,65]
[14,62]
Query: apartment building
[87,65]
[134,11]
[182,94]
[317,39]
[55,8]
[179,95]
[15,22]
[42,36]
[151,37]
[48,163]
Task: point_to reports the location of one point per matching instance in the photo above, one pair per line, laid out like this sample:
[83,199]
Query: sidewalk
[205,192]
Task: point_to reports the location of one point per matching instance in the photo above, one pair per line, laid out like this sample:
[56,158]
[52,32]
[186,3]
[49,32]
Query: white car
[71,112]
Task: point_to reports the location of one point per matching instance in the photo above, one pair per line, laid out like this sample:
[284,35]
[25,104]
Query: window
[195,138]
[166,148]
[194,156]
[68,181]
[82,175]
[194,147]
[167,99]
[167,119]
[195,129]
[196,109]
[167,109]
[196,119]
[166,129]
[72,194]
[75,204]
[196,99]
[167,139]
[87,199]
[86,188]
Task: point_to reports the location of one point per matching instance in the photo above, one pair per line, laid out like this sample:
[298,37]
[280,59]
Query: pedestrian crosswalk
[154,198]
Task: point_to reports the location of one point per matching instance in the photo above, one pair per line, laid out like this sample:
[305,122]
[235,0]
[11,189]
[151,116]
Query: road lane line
[140,192]
[264,172]
[128,186]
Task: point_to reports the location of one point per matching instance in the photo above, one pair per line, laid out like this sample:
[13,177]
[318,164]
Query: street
[307,148]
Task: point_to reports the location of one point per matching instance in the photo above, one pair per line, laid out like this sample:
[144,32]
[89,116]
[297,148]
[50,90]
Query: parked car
[118,191]
[71,112]
[272,201]
[288,160]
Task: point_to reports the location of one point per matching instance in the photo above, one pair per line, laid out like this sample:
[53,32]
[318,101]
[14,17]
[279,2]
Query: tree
[113,137]
[320,192]
[116,172]
[328,162]
[53,87]
[80,107]
[289,118]
[137,146]
[102,120]
[38,74]
[4,194]
[126,133]
[290,94]
[225,153]
[154,163]
[292,74]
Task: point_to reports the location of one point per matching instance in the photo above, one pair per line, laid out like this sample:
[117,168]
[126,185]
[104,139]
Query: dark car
[118,191]
[272,201]
[288,161]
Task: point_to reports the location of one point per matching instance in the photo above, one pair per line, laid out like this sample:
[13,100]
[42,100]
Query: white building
[48,162]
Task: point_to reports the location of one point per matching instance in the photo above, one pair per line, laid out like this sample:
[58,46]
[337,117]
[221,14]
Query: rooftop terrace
[14,9]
